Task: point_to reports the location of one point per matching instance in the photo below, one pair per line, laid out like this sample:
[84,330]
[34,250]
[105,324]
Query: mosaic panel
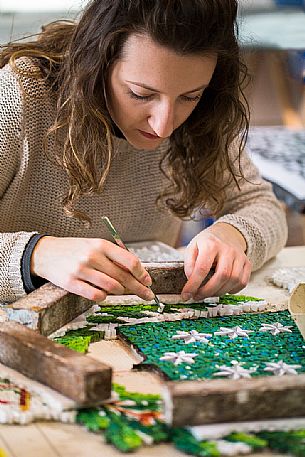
[233,346]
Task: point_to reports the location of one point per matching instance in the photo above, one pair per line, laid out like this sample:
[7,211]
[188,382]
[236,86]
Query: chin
[143,144]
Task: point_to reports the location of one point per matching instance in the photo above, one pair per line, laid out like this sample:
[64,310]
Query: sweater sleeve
[256,213]
[12,244]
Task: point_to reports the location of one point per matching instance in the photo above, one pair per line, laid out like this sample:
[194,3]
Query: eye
[186,98]
[139,97]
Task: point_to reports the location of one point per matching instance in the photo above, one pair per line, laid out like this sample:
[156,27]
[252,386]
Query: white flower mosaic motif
[211,300]
[276,328]
[178,357]
[281,368]
[236,371]
[192,336]
[233,332]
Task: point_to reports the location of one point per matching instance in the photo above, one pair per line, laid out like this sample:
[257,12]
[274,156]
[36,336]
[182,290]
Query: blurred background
[272,38]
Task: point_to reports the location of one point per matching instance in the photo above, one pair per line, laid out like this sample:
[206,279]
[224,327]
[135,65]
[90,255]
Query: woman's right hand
[90,267]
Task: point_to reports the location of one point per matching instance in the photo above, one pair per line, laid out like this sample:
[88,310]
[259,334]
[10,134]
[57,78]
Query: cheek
[135,111]
[120,102]
[184,113]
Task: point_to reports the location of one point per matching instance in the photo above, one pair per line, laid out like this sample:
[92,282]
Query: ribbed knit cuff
[30,282]
[256,243]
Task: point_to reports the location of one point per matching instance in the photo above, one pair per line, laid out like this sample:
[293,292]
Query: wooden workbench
[63,440]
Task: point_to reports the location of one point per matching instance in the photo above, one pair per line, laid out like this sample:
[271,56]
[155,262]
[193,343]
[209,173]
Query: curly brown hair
[75,57]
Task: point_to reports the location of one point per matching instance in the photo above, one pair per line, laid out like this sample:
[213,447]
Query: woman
[134,112]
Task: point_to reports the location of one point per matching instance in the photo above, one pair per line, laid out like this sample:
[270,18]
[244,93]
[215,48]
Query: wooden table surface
[64,440]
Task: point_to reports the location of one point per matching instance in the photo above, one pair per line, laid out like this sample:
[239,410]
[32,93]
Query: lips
[149,135]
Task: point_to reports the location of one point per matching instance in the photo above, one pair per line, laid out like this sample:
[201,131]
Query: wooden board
[169,277]
[46,309]
[206,402]
[76,376]
[49,308]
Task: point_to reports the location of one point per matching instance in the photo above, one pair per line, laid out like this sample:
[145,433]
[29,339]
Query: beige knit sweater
[31,188]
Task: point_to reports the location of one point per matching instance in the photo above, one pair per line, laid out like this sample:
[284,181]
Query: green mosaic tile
[138,310]
[133,311]
[255,442]
[143,401]
[230,299]
[154,339]
[79,340]
[121,435]
[100,319]
[292,442]
[126,433]
[185,442]
[127,420]
[92,419]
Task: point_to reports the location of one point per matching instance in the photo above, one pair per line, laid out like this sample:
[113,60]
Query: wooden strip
[169,277]
[296,306]
[205,402]
[47,309]
[75,375]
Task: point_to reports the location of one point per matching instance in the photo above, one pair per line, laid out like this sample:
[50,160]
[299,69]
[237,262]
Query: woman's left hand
[222,247]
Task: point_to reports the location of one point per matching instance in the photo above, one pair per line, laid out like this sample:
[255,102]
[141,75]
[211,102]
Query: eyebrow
[156,90]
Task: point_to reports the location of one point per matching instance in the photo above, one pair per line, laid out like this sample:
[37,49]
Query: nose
[161,119]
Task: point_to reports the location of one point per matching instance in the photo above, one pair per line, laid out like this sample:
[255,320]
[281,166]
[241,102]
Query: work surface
[61,440]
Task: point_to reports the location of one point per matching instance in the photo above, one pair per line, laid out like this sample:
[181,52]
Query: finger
[133,286]
[203,264]
[128,260]
[190,258]
[219,279]
[244,278]
[87,291]
[126,279]
[247,272]
[234,281]
[102,281]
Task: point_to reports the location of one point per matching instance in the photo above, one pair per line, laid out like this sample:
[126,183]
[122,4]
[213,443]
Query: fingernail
[198,298]
[147,280]
[186,296]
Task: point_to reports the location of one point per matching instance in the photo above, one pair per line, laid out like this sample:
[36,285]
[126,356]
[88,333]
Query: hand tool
[120,243]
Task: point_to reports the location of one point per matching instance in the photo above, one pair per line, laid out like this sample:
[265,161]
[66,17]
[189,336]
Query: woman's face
[152,90]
